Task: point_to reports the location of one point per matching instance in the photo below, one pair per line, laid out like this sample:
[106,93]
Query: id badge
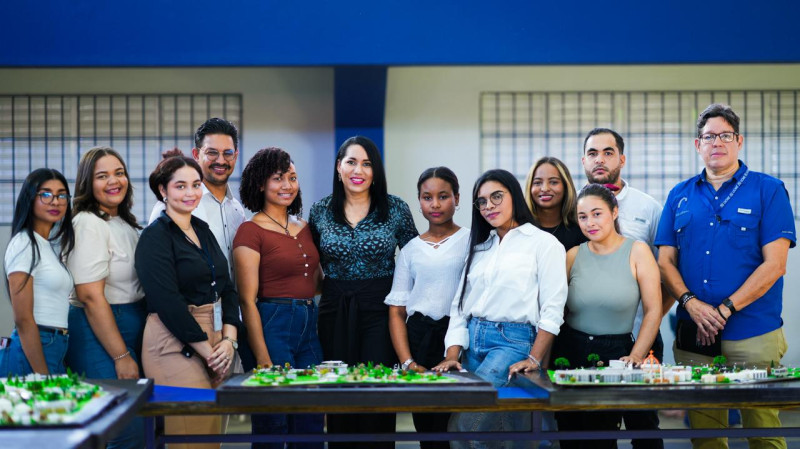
[217,315]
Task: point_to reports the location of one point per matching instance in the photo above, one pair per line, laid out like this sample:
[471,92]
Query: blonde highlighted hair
[568,204]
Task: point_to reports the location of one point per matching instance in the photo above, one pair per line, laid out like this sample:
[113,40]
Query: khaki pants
[163,361]
[760,351]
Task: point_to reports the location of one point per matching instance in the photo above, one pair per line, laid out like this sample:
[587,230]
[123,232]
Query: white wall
[432,118]
[291,108]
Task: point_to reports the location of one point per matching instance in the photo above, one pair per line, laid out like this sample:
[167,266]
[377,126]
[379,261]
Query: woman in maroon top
[277,272]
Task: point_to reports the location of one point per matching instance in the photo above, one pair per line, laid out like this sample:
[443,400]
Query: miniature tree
[593,359]
[561,363]
[720,360]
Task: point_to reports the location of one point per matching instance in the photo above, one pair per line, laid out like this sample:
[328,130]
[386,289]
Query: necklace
[285,228]
[556,229]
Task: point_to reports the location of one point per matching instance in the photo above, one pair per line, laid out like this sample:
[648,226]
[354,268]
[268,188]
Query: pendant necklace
[285,228]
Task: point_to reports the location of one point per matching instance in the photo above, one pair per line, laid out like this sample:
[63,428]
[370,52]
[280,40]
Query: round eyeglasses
[495,197]
[213,155]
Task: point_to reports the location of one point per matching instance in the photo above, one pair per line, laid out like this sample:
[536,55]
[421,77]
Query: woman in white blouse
[426,277]
[510,304]
[38,281]
[107,314]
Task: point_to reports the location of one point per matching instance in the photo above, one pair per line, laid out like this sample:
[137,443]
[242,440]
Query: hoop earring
[458,207]
[164,200]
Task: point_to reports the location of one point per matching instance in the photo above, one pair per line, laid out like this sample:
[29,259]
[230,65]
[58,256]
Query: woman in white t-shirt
[38,282]
[426,277]
[106,314]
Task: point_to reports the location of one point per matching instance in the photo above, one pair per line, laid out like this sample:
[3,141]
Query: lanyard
[735,188]
[718,209]
[210,263]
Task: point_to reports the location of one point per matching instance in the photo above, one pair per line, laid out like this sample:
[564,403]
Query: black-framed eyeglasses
[495,197]
[48,197]
[213,155]
[726,137]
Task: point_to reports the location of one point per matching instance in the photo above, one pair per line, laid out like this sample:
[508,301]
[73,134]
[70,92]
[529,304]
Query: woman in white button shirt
[426,276]
[510,304]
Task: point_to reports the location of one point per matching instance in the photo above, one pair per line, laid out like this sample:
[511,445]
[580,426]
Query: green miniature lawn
[270,379]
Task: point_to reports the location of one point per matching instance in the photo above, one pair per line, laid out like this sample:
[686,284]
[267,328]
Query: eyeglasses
[48,197]
[726,137]
[228,155]
[495,197]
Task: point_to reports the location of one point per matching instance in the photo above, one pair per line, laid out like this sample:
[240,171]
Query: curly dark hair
[256,173]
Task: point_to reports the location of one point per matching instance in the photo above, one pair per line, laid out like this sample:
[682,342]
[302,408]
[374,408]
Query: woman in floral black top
[357,230]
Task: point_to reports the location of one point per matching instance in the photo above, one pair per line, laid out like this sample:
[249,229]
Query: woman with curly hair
[277,271]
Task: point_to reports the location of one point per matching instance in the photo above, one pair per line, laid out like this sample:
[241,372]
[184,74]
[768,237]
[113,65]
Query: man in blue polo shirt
[724,238]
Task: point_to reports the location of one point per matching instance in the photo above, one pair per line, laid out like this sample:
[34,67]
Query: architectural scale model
[651,372]
[41,400]
[336,372]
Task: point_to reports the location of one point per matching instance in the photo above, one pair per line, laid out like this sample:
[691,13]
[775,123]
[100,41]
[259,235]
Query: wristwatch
[729,304]
[407,363]
[233,342]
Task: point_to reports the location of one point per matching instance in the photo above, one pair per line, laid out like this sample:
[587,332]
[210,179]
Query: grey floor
[789,418]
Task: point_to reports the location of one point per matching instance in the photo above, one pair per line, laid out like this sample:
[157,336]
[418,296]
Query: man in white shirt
[639,214]
[216,150]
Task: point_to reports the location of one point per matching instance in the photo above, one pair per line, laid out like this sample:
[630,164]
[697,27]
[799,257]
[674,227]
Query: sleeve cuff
[396,299]
[549,326]
[457,337]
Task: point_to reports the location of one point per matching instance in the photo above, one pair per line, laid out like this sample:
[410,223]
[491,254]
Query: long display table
[533,393]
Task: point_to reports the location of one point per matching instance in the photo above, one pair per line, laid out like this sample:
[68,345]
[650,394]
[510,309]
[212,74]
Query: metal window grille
[517,128]
[54,130]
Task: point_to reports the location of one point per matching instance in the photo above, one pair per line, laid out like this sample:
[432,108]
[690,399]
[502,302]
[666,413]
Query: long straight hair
[378,192]
[481,228]
[85,200]
[22,220]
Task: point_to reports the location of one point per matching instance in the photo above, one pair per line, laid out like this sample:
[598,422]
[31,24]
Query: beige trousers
[163,361]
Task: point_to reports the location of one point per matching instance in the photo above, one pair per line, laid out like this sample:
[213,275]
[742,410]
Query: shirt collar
[701,178]
[171,223]
[527,229]
[228,193]
[623,191]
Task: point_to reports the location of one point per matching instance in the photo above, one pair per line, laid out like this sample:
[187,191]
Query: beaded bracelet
[122,356]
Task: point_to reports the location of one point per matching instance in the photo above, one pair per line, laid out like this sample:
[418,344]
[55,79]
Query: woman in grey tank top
[607,277]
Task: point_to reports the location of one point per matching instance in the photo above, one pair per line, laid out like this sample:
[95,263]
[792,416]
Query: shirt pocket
[743,231]
[681,228]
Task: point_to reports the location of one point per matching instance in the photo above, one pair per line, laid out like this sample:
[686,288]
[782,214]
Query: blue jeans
[13,360]
[86,355]
[493,348]
[290,332]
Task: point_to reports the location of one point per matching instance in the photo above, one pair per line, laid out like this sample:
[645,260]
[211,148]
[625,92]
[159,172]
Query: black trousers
[354,327]
[426,341]
[576,346]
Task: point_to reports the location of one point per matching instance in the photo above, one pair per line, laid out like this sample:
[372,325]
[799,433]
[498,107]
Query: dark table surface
[95,433]
[469,391]
[781,394]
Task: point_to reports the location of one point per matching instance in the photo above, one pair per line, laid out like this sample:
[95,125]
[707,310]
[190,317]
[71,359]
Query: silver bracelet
[122,356]
[535,360]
